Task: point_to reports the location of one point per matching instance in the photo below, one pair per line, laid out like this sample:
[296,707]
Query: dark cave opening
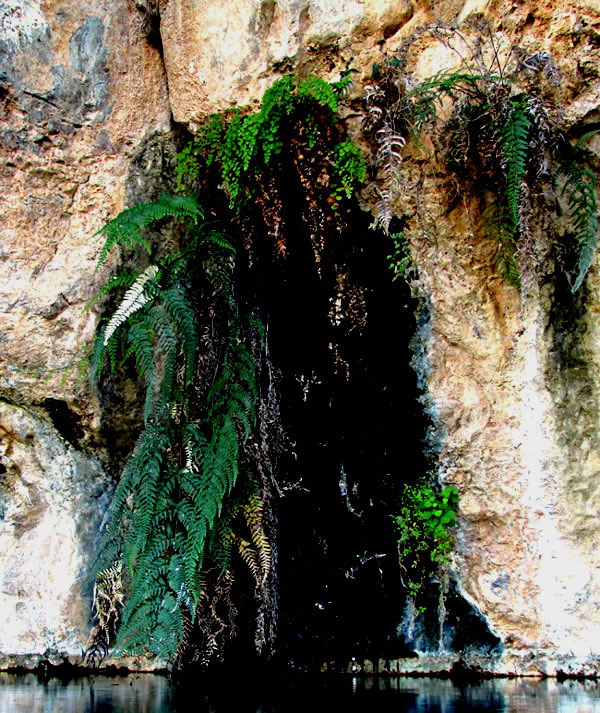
[349,407]
[356,432]
[66,421]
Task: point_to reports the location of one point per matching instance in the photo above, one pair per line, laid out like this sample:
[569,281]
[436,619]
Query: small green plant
[349,171]
[425,523]
[400,260]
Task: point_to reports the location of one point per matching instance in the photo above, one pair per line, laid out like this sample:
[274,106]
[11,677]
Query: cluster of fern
[502,130]
[171,522]
[292,113]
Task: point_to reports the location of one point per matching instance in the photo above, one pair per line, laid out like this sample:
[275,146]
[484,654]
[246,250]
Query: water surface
[148,693]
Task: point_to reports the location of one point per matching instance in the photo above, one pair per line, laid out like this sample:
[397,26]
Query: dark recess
[66,422]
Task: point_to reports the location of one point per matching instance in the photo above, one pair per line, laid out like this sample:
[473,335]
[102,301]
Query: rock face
[85,115]
[511,385]
[81,90]
[52,500]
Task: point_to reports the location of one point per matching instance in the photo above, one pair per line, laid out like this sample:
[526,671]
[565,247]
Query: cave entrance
[339,332]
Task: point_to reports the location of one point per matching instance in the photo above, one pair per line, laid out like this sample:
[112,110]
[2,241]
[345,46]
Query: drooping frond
[142,346]
[126,228]
[172,512]
[580,192]
[497,224]
[177,305]
[126,278]
[260,560]
[515,132]
[581,196]
[423,101]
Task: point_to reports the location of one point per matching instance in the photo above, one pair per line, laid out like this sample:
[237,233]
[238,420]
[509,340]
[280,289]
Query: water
[147,693]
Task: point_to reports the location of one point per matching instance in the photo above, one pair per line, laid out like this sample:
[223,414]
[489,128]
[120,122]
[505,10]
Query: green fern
[126,228]
[498,225]
[172,510]
[125,278]
[515,145]
[244,146]
[580,192]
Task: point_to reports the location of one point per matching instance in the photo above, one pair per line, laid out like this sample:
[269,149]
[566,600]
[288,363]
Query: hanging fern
[491,135]
[498,226]
[245,146]
[126,228]
[174,507]
[580,192]
[515,145]
[135,298]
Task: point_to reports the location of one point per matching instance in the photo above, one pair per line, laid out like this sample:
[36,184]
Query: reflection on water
[148,693]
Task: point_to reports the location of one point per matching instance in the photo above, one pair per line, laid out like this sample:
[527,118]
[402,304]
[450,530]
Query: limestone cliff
[91,99]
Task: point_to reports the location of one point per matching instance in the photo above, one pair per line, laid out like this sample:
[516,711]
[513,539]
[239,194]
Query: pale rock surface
[81,89]
[52,501]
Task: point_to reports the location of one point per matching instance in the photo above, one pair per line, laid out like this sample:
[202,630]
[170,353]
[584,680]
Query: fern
[126,278]
[515,133]
[245,146]
[126,228]
[498,225]
[172,511]
[580,192]
[135,298]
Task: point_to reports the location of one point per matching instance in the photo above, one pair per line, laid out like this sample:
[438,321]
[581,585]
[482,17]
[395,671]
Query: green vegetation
[500,133]
[172,522]
[294,116]
[194,493]
[425,523]
[400,260]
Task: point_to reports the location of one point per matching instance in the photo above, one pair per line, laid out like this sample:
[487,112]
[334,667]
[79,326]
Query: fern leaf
[134,299]
[515,132]
[125,228]
[166,346]
[126,278]
[580,190]
[97,358]
[141,338]
[177,305]
[498,226]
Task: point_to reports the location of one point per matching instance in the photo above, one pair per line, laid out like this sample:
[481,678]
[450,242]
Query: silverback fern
[171,523]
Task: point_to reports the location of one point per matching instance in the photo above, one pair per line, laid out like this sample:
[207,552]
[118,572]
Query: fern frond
[253,515]
[97,358]
[422,101]
[389,149]
[125,228]
[141,339]
[133,300]
[580,191]
[126,278]
[515,133]
[167,348]
[169,628]
[219,261]
[177,305]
